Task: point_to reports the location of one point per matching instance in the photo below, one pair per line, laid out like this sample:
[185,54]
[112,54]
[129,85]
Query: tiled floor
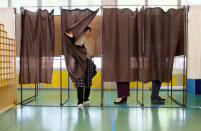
[111,118]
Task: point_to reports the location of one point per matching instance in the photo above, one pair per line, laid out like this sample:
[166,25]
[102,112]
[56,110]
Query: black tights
[83,91]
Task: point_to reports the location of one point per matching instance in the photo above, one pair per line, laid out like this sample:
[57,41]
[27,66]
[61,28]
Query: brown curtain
[148,44]
[96,32]
[161,36]
[180,46]
[75,21]
[37,47]
[120,48]
[96,26]
[57,34]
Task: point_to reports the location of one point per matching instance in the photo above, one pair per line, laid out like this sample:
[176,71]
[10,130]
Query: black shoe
[123,100]
[162,99]
[157,101]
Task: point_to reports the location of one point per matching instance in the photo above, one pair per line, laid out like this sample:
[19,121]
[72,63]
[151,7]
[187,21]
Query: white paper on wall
[7,18]
[194,42]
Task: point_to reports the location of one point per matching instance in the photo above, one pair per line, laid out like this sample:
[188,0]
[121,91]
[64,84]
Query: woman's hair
[87,28]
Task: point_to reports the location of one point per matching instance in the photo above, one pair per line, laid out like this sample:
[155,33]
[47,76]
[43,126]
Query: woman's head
[87,31]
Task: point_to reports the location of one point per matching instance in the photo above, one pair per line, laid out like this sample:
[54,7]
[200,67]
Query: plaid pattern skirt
[86,80]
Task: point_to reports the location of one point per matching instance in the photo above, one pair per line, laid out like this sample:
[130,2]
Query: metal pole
[60,62]
[21,10]
[142,94]
[98,6]
[102,83]
[179,3]
[69,3]
[171,87]
[137,92]
[143,41]
[68,85]
[35,90]
[15,75]
[146,3]
[185,56]
[9,3]
[187,10]
[102,65]
[21,96]
[168,89]
[39,3]
[184,62]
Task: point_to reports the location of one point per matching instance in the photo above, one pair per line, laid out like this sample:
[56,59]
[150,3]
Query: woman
[123,92]
[84,83]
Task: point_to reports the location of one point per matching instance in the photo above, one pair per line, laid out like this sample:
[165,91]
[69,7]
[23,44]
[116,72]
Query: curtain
[161,36]
[96,32]
[120,48]
[37,47]
[57,34]
[96,26]
[75,21]
[140,45]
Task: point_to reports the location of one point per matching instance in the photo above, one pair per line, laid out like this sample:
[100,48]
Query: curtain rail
[101,5]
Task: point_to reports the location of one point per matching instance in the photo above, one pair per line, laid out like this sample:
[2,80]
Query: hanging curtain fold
[96,32]
[37,47]
[161,37]
[57,35]
[75,21]
[96,37]
[120,48]
[140,45]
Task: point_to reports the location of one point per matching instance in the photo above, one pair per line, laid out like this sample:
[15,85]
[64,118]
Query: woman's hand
[69,34]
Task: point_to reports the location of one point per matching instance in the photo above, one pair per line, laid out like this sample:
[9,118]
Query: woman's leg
[88,79]
[80,92]
[123,89]
[87,93]
[80,85]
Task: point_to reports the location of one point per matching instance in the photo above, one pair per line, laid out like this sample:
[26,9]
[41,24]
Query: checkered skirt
[86,80]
